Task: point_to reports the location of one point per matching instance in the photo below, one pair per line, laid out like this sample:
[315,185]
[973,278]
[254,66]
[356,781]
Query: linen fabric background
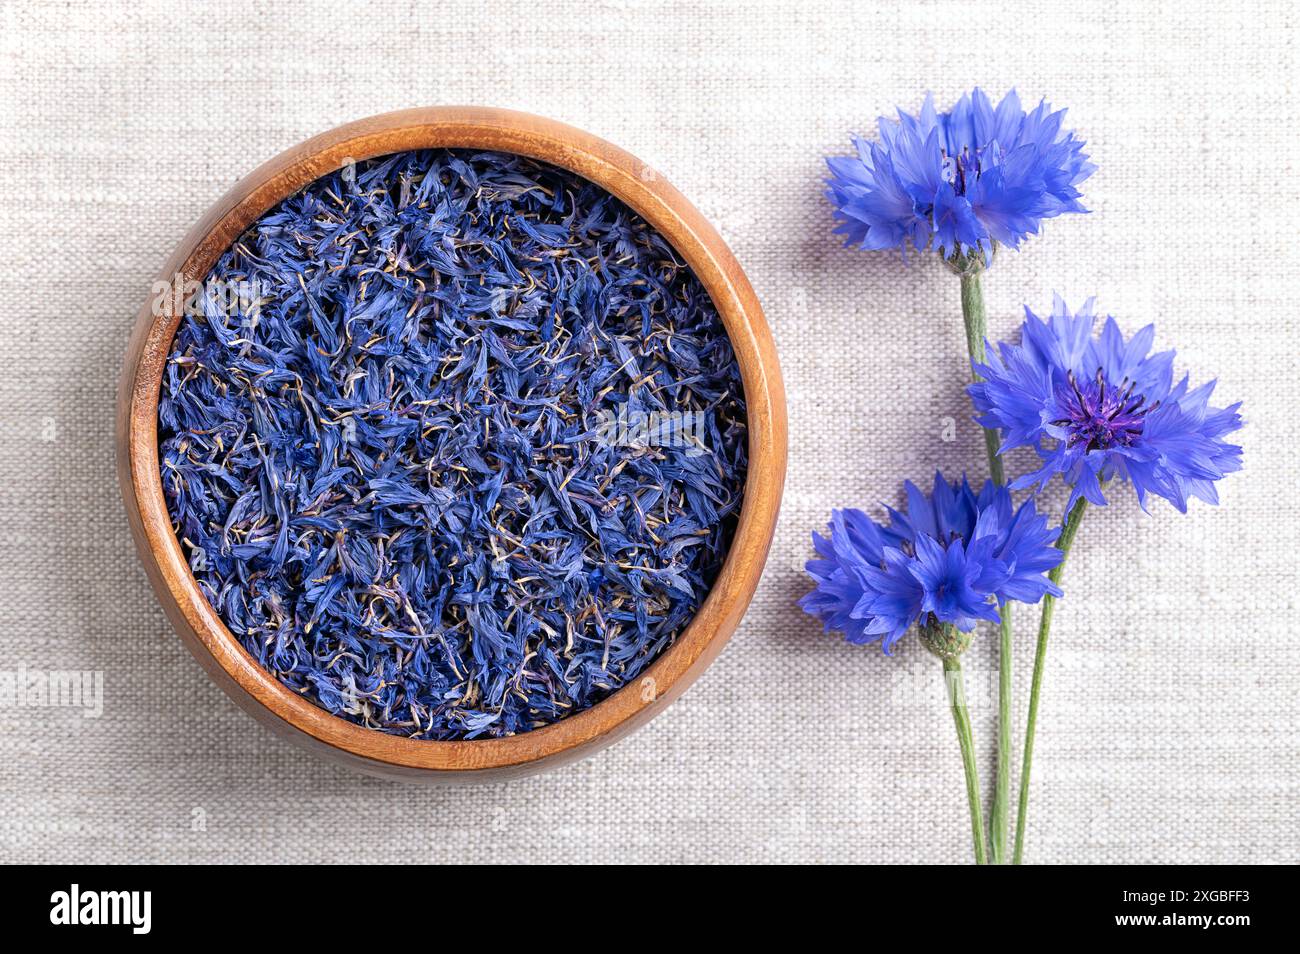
[1168,730]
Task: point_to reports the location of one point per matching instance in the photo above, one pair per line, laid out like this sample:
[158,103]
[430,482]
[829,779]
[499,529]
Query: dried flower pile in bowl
[452,441]
[467,453]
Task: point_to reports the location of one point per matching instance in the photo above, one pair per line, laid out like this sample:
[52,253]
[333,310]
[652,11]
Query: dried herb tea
[466,451]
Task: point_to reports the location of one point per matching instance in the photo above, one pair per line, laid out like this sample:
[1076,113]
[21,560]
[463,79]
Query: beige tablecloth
[1169,726]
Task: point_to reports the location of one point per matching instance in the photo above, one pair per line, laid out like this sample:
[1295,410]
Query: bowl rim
[645,191]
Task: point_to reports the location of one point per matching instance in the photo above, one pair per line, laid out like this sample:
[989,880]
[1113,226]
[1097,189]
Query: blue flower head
[953,557]
[961,180]
[1102,408]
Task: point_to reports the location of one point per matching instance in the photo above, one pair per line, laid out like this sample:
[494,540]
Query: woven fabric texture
[1169,724]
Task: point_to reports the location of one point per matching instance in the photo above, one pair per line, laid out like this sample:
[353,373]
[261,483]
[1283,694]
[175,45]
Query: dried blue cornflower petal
[411,471]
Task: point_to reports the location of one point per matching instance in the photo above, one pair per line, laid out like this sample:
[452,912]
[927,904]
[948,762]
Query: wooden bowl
[207,637]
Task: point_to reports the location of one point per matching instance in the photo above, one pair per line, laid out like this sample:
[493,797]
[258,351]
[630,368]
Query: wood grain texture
[198,624]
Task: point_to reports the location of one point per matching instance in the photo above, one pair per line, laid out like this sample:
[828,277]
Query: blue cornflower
[1101,408]
[953,557]
[961,180]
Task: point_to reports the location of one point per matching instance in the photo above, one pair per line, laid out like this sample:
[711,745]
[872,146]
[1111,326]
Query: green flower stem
[972,310]
[1063,543]
[960,716]
[998,820]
